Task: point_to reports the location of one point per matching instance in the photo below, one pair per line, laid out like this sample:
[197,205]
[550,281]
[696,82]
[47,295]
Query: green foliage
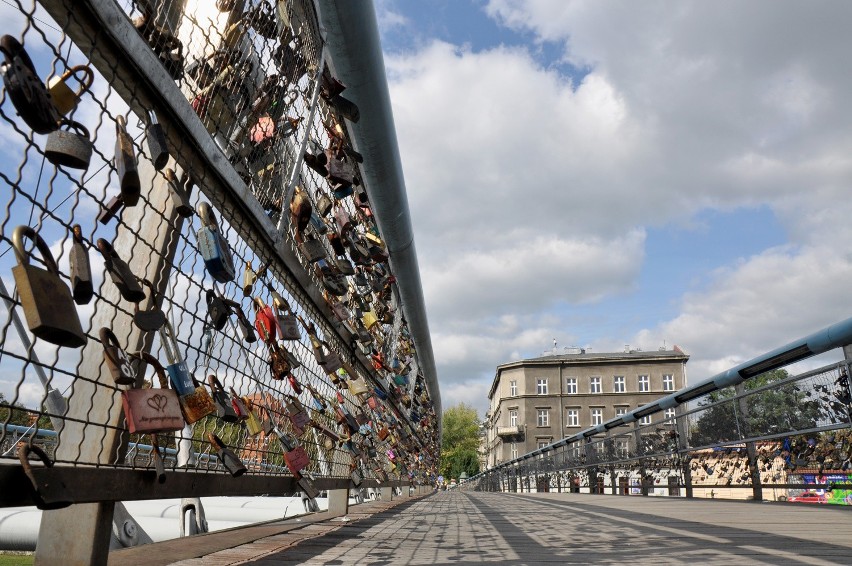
[771,411]
[460,441]
[17,414]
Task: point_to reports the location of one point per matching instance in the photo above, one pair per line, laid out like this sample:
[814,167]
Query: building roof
[583,358]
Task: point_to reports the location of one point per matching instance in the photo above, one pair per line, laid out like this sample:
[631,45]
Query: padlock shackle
[152,296]
[23,257]
[155,363]
[215,441]
[108,338]
[85,83]
[78,128]
[170,345]
[214,383]
[208,218]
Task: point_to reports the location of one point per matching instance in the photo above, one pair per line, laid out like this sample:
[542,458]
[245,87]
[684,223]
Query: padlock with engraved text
[153,317]
[63,97]
[217,310]
[288,324]
[125,164]
[25,88]
[178,373]
[116,358]
[82,288]
[156,141]
[120,273]
[69,147]
[196,405]
[214,249]
[47,302]
[294,456]
[178,195]
[152,410]
[227,458]
[297,414]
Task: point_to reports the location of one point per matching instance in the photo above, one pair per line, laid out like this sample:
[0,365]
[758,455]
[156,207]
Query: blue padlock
[213,247]
[179,375]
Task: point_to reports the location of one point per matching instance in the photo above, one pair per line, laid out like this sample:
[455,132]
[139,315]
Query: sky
[606,173]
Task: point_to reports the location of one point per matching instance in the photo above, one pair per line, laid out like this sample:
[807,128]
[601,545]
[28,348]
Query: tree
[769,412]
[460,441]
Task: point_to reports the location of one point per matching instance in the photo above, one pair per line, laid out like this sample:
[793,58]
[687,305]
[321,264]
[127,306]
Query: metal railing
[234,104]
[752,432]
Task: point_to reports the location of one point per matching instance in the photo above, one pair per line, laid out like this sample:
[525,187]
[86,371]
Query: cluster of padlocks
[393,427]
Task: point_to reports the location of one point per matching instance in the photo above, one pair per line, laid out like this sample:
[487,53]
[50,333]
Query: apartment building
[535,402]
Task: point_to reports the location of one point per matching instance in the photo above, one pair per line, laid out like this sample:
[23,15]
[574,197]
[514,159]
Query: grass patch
[16,559]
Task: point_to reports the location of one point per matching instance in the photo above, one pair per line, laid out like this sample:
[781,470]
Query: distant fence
[203,152]
[765,436]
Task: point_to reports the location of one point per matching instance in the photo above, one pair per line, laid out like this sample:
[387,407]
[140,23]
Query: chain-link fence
[181,191]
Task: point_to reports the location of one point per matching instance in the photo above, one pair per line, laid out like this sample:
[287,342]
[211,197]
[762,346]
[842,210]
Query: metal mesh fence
[214,191]
[790,435]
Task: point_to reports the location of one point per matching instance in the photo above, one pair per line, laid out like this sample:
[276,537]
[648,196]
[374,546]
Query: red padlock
[265,321]
[297,387]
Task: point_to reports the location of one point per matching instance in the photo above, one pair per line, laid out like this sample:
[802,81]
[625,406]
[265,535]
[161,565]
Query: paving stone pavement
[500,529]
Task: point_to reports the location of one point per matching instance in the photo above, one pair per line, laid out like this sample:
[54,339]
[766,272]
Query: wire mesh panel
[212,286]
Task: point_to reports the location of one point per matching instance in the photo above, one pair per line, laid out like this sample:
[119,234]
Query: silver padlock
[69,147]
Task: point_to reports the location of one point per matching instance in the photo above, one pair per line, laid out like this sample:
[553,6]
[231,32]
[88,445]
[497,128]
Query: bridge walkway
[501,529]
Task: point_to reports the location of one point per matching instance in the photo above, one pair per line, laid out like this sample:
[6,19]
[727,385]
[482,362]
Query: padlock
[344,265]
[197,404]
[116,358]
[47,302]
[125,164]
[109,210]
[178,373]
[224,408]
[317,224]
[355,475]
[71,147]
[151,319]
[156,141]
[64,99]
[253,423]
[246,329]
[240,408]
[332,360]
[312,249]
[288,324]
[159,465]
[294,383]
[82,288]
[265,321]
[213,247]
[319,401]
[217,310]
[152,410]
[324,203]
[307,486]
[25,89]
[120,273]
[178,195]
[227,458]
[249,279]
[335,283]
[300,210]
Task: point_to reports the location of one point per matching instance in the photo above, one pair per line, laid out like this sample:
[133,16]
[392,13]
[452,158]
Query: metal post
[643,484]
[751,450]
[386,493]
[338,502]
[685,456]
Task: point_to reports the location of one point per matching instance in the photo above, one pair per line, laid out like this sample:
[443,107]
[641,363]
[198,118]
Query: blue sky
[610,173]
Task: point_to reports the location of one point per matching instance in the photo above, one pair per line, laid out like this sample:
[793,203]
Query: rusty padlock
[116,358]
[120,273]
[156,141]
[178,195]
[125,164]
[82,288]
[69,147]
[46,300]
[153,318]
[25,89]
[64,99]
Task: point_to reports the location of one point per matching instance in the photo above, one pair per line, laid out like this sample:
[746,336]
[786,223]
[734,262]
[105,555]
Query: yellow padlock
[64,99]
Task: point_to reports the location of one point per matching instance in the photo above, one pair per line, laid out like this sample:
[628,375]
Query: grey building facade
[535,402]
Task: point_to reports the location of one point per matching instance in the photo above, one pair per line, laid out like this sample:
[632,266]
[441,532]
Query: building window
[541,387]
[597,416]
[572,417]
[622,448]
[618,384]
[513,417]
[543,417]
[513,388]
[668,383]
[669,415]
[571,386]
[644,384]
[542,443]
[514,448]
[645,420]
[594,385]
